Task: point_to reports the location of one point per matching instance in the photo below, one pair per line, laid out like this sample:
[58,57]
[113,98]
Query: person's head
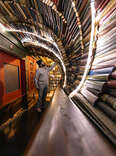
[40,63]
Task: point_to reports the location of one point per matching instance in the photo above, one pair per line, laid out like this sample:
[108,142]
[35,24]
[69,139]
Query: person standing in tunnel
[41,83]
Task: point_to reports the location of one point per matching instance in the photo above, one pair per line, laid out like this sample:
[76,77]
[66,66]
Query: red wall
[4,96]
[23,77]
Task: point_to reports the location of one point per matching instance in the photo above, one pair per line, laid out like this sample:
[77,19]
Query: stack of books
[100,85]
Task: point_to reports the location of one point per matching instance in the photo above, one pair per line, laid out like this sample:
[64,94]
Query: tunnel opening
[55,77]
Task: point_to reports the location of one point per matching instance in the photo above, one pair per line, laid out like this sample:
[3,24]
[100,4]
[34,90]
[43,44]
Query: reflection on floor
[49,96]
[15,135]
[65,131]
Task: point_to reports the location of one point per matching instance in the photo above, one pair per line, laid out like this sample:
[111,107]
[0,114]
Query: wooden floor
[65,131]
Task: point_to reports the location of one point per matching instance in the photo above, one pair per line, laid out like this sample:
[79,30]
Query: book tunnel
[79,37]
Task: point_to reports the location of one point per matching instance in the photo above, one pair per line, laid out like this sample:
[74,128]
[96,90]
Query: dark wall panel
[12,81]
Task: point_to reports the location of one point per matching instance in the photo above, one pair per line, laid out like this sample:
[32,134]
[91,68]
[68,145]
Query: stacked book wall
[100,85]
[72,43]
[97,97]
[25,19]
[77,55]
[15,13]
[54,78]
[51,17]
[69,31]
[85,18]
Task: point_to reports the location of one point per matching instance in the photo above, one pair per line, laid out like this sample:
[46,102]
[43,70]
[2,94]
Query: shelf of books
[54,79]
[77,51]
[99,89]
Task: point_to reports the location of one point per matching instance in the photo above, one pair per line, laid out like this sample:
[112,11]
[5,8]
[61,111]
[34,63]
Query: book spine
[109,100]
[107,110]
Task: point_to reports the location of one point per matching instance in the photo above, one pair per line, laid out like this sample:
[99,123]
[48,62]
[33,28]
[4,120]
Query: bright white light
[90,52]
[98,17]
[48,39]
[2,28]
[30,33]
[73,4]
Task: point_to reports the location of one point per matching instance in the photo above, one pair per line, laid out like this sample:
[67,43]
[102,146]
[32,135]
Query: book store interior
[57,77]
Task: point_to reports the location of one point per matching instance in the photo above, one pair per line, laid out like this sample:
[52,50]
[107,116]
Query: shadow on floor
[15,136]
